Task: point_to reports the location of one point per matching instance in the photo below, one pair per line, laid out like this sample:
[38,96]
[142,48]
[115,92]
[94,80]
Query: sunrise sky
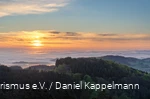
[75,24]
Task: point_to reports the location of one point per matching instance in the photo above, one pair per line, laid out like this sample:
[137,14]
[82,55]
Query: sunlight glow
[73,41]
[37,43]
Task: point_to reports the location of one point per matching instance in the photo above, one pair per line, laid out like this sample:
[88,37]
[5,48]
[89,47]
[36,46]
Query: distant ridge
[140,64]
[41,68]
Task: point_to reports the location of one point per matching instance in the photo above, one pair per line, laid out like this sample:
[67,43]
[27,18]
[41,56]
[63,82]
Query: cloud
[72,34]
[22,7]
[106,34]
[64,33]
[76,40]
[52,34]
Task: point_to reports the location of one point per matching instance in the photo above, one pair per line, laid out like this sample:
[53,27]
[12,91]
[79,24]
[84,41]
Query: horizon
[15,57]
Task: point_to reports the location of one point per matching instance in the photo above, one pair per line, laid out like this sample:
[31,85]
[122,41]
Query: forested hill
[97,67]
[69,70]
[106,71]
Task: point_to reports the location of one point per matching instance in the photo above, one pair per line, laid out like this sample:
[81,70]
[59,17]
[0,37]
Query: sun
[37,43]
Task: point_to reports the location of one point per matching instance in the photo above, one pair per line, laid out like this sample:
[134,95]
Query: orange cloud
[74,40]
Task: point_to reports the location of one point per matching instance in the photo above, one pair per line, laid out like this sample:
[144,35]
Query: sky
[75,24]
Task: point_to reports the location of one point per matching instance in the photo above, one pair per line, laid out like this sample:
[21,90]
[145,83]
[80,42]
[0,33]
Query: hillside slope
[140,64]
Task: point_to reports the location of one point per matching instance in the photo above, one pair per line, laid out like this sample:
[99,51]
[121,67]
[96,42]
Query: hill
[15,68]
[41,68]
[140,64]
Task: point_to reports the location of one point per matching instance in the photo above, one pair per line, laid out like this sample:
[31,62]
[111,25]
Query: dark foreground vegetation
[69,70]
